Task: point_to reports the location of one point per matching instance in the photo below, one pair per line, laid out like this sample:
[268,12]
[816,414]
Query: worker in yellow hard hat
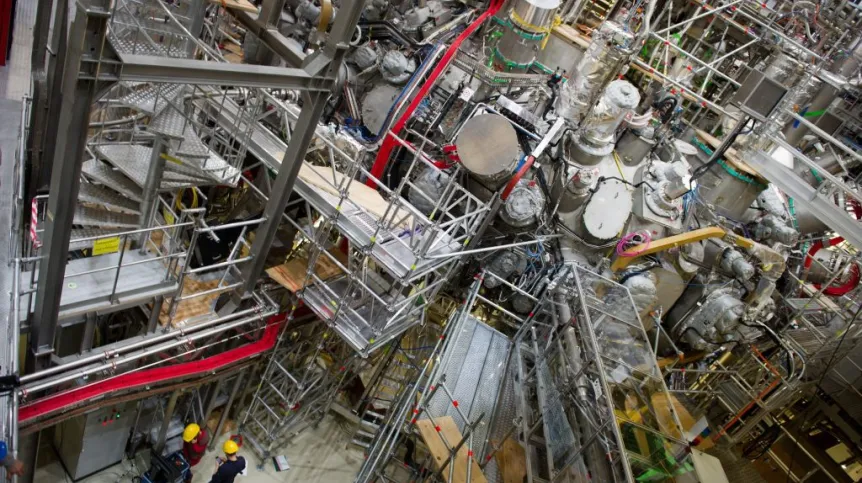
[195,442]
[231,465]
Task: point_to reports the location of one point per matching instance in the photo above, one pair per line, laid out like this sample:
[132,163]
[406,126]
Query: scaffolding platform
[139,281]
[364,323]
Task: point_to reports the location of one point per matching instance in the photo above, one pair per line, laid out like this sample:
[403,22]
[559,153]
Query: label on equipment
[106,245]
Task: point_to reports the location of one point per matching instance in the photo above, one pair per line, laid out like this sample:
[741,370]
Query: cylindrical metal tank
[632,149]
[596,139]
[610,47]
[488,147]
[729,186]
[528,25]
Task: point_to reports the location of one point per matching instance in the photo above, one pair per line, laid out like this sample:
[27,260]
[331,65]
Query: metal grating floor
[474,366]
[102,173]
[99,194]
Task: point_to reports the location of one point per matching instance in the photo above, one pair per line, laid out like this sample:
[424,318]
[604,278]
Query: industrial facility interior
[431,241]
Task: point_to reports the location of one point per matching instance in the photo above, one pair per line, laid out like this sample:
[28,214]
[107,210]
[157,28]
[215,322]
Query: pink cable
[628,239]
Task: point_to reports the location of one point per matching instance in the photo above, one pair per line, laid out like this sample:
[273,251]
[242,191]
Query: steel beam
[306,126]
[149,68]
[67,158]
[166,422]
[271,37]
[151,189]
[211,399]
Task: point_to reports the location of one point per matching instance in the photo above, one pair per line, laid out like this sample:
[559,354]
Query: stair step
[216,168]
[172,124]
[187,169]
[86,233]
[99,171]
[153,98]
[98,194]
[133,160]
[87,216]
[192,146]
[374,415]
[364,434]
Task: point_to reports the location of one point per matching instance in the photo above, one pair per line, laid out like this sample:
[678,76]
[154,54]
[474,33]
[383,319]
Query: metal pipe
[145,353]
[134,345]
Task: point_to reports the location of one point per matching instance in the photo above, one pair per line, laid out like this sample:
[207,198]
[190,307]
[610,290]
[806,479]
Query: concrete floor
[317,455]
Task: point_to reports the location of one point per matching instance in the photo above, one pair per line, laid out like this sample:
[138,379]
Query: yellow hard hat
[191,432]
[230,447]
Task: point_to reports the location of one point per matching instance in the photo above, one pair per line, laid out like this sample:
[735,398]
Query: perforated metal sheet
[152,98]
[474,366]
[91,193]
[99,171]
[559,434]
[101,218]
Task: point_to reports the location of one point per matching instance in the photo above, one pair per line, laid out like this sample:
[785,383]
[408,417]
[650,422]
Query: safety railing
[635,417]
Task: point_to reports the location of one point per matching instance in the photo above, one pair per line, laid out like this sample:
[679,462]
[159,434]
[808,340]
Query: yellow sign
[106,245]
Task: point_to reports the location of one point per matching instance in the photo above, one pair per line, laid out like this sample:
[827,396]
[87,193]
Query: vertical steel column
[154,315]
[312,108]
[211,399]
[87,35]
[47,86]
[236,384]
[166,422]
[151,189]
[197,11]
[89,329]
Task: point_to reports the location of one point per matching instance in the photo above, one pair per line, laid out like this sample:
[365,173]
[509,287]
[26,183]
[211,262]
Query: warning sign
[106,245]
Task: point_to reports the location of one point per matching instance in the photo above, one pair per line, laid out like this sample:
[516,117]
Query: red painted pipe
[836,290]
[388,145]
[58,402]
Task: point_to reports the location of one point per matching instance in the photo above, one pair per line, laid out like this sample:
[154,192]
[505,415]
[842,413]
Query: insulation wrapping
[601,61]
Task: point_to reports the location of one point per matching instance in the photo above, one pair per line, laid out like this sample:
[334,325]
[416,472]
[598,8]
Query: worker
[230,466]
[12,465]
[195,442]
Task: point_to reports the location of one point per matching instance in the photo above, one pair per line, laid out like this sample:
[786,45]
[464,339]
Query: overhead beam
[271,37]
[147,68]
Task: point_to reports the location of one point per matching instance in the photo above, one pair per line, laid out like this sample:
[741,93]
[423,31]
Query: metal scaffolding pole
[306,126]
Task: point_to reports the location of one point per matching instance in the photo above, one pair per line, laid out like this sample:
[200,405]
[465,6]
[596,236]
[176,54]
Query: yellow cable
[619,166]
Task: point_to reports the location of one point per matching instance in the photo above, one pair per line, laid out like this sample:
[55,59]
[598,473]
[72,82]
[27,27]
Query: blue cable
[400,96]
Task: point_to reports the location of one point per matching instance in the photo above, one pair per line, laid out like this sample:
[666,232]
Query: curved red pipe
[836,290]
[389,143]
[157,375]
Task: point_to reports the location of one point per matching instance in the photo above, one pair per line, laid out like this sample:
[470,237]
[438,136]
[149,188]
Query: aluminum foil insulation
[596,139]
[610,48]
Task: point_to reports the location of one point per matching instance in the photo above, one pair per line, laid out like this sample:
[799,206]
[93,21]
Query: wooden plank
[367,198]
[190,308]
[731,156]
[244,5]
[438,449]
[512,462]
[291,274]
